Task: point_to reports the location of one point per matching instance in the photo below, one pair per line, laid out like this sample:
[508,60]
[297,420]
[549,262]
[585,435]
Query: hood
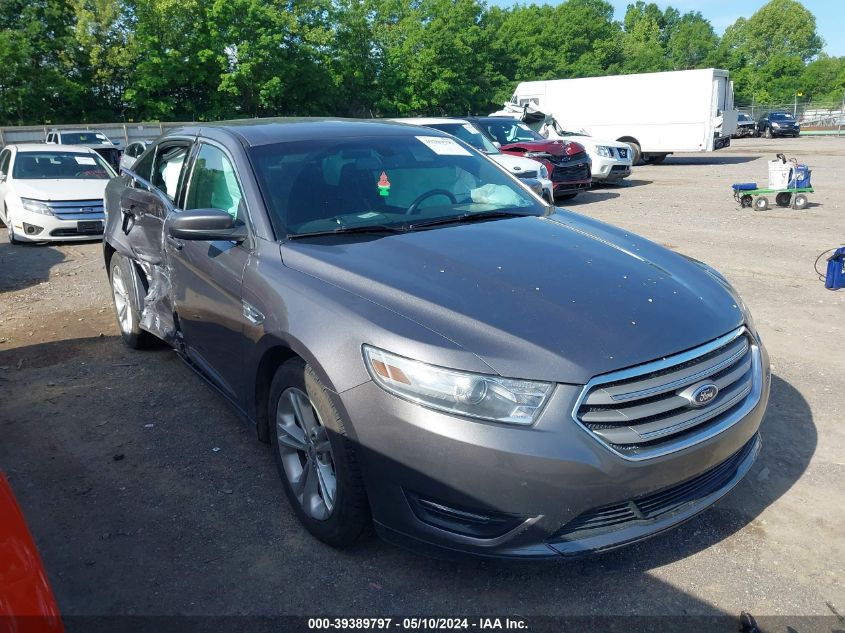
[516,164]
[590,142]
[555,147]
[560,298]
[49,190]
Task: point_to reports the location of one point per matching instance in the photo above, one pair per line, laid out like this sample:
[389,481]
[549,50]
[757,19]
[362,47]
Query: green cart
[748,195]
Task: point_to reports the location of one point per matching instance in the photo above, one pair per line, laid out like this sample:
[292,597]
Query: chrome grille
[651,410]
[76,209]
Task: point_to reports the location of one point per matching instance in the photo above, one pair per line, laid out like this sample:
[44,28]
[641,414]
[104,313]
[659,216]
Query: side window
[5,156]
[144,167]
[168,168]
[214,184]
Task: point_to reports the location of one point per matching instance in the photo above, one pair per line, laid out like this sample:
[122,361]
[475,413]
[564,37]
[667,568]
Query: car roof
[53,147]
[485,119]
[257,132]
[80,131]
[430,120]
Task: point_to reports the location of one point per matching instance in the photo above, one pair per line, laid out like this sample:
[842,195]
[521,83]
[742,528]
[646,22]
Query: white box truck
[656,113]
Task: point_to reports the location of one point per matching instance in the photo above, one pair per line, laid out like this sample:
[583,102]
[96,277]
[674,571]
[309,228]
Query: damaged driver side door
[143,206]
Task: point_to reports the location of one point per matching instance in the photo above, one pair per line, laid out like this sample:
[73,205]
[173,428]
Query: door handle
[177,244]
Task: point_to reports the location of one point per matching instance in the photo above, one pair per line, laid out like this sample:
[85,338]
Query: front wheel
[761,203]
[123,282]
[315,458]
[10,230]
[801,202]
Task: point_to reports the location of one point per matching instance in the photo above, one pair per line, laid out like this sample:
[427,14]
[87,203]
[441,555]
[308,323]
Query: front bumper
[610,169]
[530,482]
[36,227]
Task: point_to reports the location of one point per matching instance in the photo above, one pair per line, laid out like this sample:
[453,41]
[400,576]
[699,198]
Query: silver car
[427,348]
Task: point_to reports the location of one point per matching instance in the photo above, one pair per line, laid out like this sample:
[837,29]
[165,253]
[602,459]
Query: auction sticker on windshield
[443,146]
[85,160]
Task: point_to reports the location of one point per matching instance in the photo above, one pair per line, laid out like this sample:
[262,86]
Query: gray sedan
[430,349]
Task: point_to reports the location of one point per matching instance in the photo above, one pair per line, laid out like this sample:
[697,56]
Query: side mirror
[205,224]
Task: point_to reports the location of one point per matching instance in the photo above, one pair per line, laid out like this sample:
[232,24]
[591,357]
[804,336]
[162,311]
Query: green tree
[692,42]
[36,83]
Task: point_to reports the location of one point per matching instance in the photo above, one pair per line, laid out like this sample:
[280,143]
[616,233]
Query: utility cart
[789,183]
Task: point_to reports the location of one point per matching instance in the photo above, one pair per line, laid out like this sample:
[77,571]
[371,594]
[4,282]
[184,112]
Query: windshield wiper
[344,230]
[469,217]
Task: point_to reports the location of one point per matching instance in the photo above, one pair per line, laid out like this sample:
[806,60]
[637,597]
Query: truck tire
[656,159]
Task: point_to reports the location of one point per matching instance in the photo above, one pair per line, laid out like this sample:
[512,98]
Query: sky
[723,13]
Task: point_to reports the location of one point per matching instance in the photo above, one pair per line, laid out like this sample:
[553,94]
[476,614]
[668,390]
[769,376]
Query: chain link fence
[814,117]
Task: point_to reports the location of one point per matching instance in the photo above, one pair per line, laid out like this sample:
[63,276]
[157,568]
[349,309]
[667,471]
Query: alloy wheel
[121,300]
[306,453]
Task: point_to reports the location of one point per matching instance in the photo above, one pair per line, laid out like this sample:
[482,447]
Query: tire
[761,203]
[636,153]
[309,441]
[565,196]
[801,202]
[783,199]
[10,229]
[656,159]
[746,201]
[124,279]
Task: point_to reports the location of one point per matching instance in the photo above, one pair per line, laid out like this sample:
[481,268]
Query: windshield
[468,134]
[507,131]
[781,117]
[384,181]
[81,138]
[744,117]
[61,166]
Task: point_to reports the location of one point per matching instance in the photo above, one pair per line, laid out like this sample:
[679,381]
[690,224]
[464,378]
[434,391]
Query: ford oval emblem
[704,395]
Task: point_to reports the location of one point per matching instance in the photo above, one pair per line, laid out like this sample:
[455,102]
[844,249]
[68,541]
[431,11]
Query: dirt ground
[146,494]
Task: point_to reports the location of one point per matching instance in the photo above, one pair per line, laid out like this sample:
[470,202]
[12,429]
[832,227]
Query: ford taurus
[428,348]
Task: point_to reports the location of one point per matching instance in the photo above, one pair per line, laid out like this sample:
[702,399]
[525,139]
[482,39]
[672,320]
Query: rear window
[81,138]
[60,166]
[468,134]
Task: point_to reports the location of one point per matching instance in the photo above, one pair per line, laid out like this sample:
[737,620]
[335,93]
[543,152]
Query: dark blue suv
[778,124]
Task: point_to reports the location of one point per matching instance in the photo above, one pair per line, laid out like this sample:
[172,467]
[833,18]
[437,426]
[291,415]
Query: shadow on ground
[26,265]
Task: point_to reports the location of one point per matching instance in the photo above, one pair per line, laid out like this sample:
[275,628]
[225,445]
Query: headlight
[36,206]
[602,150]
[544,172]
[775,124]
[473,395]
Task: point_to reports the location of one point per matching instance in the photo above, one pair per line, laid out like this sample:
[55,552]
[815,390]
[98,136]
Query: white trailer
[656,113]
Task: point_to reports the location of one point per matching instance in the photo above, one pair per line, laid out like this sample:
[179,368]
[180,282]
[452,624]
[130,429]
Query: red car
[27,604]
[567,162]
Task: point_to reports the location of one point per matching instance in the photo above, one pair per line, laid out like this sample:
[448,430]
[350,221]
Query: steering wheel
[412,209]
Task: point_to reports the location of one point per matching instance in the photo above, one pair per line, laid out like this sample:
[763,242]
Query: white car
[52,192]
[516,165]
[132,152]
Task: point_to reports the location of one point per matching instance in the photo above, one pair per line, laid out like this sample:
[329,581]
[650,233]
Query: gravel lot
[147,495]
